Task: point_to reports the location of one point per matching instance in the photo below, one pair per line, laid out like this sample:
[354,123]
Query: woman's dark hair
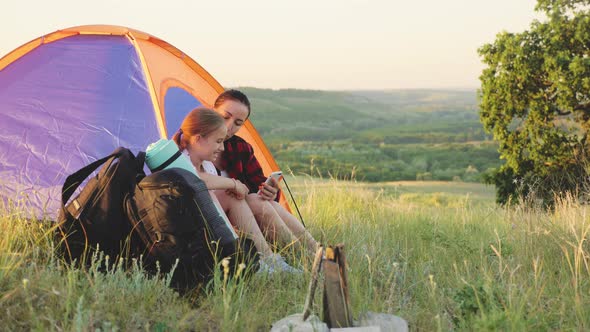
[234,95]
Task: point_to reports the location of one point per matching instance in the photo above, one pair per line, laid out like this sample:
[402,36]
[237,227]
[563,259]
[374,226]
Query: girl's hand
[239,190]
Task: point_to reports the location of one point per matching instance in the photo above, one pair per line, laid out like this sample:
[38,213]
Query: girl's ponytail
[177,138]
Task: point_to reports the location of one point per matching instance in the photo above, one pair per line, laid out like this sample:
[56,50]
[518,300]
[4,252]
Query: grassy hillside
[442,256]
[375,135]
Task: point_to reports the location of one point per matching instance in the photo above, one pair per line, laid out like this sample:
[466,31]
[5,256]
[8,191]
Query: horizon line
[360,89]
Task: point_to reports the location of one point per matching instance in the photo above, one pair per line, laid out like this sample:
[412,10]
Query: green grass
[459,264]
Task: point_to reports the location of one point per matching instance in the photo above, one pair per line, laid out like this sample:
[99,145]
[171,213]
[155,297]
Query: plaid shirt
[239,162]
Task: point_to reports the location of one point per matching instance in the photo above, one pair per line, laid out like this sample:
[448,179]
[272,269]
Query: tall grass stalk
[441,261]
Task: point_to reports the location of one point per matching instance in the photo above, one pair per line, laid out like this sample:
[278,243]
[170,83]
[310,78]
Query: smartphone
[278,175]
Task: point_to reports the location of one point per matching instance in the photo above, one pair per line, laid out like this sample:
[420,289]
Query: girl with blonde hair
[201,136]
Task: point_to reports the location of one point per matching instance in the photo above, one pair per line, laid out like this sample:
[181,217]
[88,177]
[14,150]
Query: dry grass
[463,264]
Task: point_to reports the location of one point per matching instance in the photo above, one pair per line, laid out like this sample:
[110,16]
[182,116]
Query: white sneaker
[276,263]
[264,268]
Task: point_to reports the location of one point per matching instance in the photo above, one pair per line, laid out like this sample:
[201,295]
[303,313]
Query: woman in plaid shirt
[238,162]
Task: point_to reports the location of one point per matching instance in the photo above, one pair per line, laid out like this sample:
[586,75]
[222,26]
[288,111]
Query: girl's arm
[215,182]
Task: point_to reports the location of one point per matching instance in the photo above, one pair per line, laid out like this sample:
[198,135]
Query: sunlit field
[438,193]
[440,255]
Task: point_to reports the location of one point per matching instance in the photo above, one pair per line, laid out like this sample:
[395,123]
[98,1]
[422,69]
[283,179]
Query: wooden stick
[315,271]
[344,281]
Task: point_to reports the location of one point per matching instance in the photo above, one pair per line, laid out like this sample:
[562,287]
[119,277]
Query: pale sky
[306,44]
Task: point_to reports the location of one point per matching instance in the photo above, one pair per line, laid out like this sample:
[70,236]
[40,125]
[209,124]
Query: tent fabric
[74,95]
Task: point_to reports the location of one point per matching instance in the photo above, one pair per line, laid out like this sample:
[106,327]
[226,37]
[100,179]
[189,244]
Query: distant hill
[375,135]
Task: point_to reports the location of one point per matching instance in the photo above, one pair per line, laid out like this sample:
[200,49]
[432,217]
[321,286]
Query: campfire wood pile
[337,313]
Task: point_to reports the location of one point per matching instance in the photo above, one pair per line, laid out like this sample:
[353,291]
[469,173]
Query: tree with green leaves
[535,100]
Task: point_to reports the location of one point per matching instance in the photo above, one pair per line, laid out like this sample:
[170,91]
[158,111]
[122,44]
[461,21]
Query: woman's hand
[239,190]
[268,191]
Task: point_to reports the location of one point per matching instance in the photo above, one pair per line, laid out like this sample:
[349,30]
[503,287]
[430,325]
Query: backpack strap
[74,180]
[167,162]
[139,162]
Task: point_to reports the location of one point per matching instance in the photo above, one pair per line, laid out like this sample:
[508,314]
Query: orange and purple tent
[72,96]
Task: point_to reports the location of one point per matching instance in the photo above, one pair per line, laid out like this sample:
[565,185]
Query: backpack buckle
[159,237]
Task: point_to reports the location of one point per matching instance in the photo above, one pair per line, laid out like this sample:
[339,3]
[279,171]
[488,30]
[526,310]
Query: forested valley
[375,136]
